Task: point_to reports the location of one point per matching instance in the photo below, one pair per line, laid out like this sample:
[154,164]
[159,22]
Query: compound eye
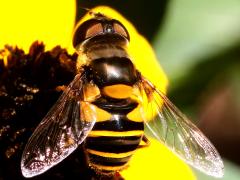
[86,30]
[120,29]
[94,30]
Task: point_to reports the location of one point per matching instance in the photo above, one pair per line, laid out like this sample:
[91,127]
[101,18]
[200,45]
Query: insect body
[108,106]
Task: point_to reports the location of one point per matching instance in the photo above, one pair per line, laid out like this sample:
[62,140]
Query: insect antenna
[97,15]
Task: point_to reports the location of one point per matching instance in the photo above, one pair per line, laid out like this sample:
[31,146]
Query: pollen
[4,56]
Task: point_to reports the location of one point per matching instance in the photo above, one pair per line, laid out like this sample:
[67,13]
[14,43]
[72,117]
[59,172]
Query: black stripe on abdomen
[123,124]
[103,161]
[118,141]
[113,144]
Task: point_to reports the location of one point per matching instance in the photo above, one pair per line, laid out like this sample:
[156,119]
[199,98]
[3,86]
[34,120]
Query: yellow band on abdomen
[111,155]
[115,133]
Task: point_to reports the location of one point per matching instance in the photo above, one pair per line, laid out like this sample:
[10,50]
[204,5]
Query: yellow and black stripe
[111,143]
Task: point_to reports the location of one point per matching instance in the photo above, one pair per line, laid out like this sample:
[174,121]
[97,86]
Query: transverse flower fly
[108,107]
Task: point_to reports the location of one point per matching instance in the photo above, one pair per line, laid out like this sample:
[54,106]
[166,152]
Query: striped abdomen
[112,142]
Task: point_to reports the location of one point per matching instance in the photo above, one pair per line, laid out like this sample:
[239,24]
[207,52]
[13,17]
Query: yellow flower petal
[25,21]
[156,162]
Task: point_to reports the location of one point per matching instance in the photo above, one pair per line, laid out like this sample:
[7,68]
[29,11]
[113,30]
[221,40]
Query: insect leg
[145,141]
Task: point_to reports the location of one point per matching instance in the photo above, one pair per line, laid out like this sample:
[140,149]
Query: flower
[25,21]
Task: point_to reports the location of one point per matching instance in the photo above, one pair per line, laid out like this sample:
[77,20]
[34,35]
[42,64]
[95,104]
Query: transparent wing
[60,132]
[165,122]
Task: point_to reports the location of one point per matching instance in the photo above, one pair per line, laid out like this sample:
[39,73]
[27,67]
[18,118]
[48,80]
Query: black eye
[86,30]
[94,27]
[120,29]
[94,30]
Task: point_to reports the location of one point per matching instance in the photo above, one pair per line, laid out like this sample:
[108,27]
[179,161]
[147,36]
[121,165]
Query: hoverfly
[108,107]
